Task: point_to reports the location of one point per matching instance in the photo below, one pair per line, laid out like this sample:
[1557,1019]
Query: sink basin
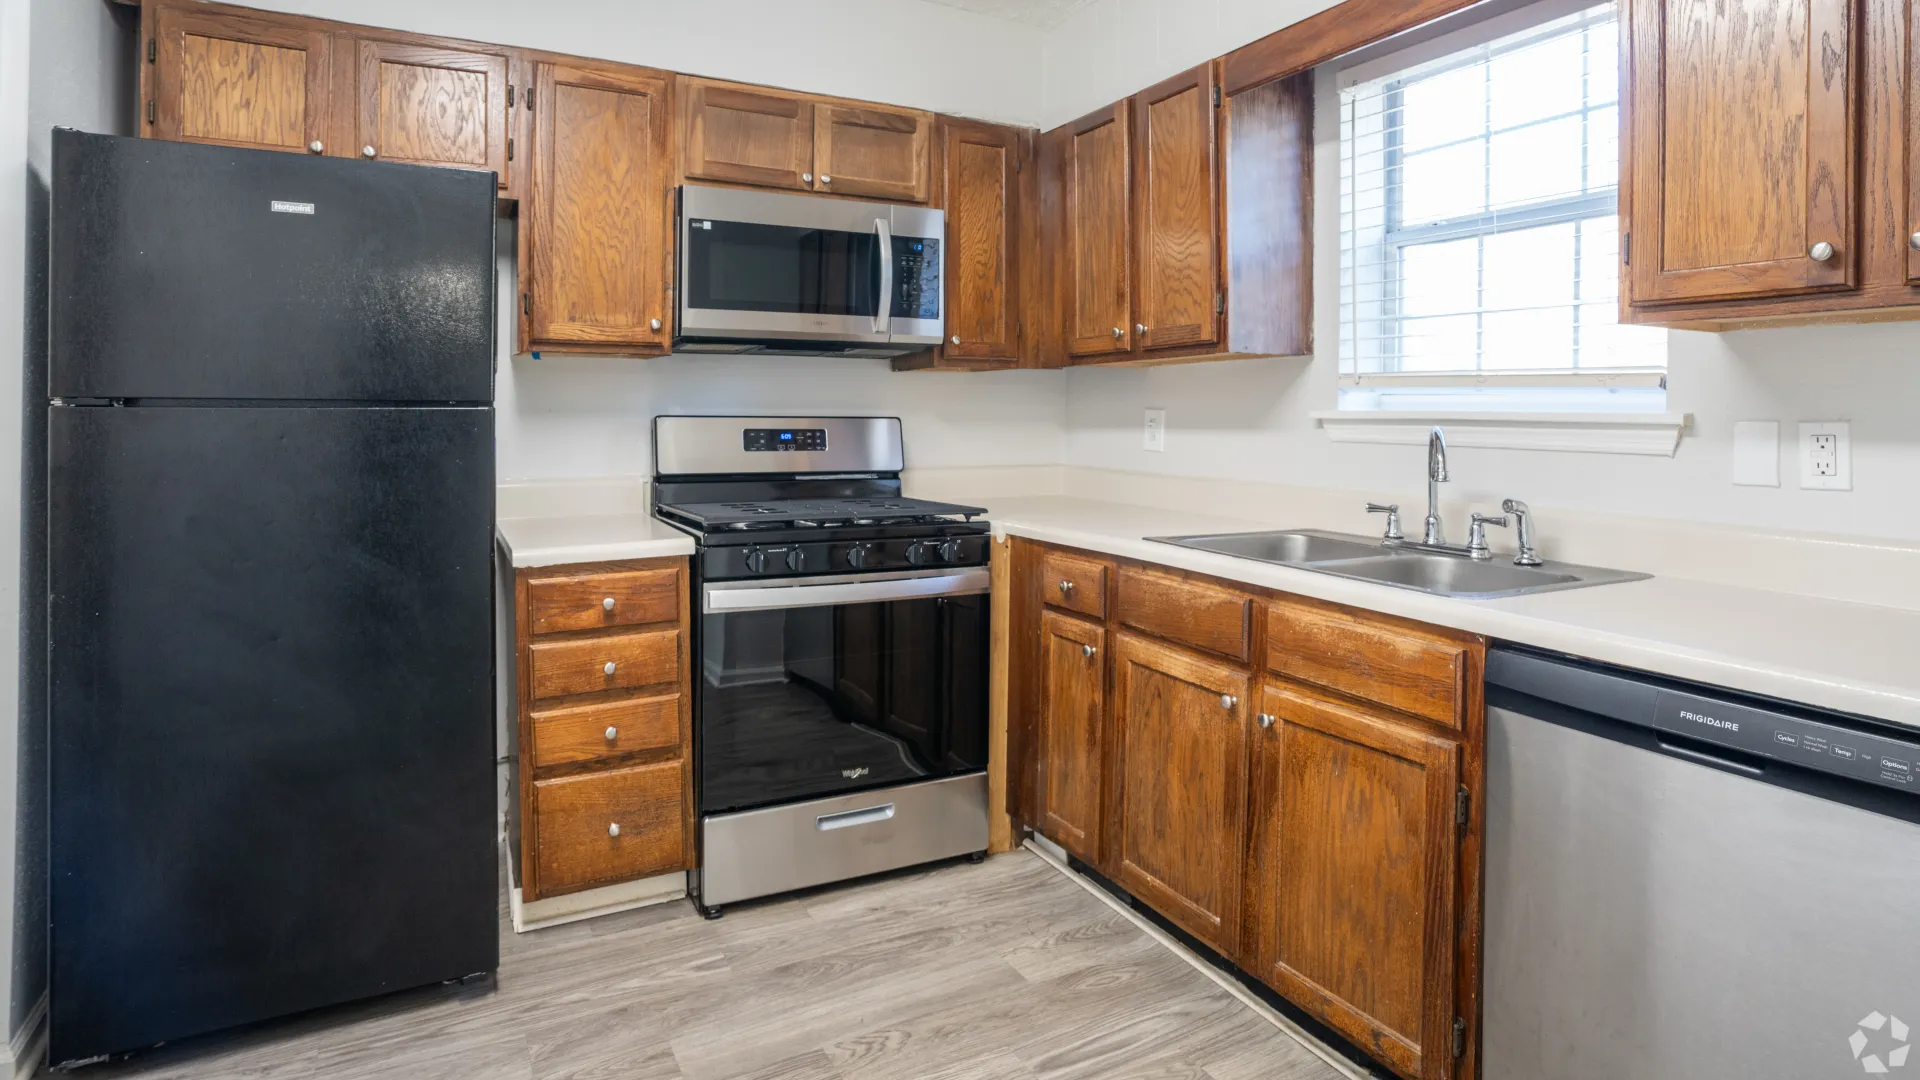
[1363,559]
[1283,547]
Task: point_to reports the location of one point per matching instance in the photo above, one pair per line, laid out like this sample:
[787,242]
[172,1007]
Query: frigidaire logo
[855,774]
[1892,1044]
[1710,721]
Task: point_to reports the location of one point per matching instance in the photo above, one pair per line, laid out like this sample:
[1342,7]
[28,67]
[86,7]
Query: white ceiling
[1045,14]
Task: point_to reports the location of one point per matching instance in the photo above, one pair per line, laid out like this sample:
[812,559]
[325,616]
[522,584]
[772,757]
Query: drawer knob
[609,669]
[1914,241]
[1228,701]
[1087,650]
[612,733]
[607,603]
[1266,719]
[1066,588]
[613,829]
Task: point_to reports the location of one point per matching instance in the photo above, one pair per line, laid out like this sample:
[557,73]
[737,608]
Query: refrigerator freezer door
[189,271]
[272,741]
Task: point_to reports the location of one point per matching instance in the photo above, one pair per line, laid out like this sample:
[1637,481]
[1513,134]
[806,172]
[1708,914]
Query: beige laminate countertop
[1856,658]
[581,538]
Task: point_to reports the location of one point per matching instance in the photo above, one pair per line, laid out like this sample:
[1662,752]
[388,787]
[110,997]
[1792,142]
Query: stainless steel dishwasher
[1686,882]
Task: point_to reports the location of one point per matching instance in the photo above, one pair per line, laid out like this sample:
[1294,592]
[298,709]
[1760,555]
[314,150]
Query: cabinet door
[1353,862]
[982,205]
[1742,148]
[1181,726]
[748,135]
[238,80]
[1099,235]
[872,152]
[431,106]
[601,238]
[1178,213]
[1073,723]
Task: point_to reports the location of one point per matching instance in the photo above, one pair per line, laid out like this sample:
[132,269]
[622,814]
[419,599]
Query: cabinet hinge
[1462,806]
[150,112]
[1626,249]
[153,49]
[526,303]
[1459,1037]
[509,95]
[509,148]
[1219,302]
[529,99]
[1216,97]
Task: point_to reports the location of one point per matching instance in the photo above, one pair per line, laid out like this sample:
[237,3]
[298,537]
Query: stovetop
[803,513]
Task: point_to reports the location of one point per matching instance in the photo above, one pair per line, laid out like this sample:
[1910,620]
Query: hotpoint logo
[1872,1063]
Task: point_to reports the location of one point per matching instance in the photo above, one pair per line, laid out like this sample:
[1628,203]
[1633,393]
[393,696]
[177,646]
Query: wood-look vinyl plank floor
[1001,971]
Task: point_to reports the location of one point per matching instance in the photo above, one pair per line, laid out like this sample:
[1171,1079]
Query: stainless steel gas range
[840,710]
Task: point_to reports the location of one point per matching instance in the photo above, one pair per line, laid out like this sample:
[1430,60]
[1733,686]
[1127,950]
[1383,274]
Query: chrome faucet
[1435,534]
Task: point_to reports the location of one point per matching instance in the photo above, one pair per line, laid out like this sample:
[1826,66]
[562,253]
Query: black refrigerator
[270,515]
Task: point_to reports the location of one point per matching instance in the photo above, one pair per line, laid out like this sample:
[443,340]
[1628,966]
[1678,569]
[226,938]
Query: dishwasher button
[1785,738]
[1813,744]
[1895,765]
[1845,753]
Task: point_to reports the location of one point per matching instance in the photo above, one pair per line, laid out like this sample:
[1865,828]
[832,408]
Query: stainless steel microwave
[763,271]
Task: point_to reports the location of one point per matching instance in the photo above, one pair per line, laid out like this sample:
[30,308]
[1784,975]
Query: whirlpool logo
[1875,1034]
[855,774]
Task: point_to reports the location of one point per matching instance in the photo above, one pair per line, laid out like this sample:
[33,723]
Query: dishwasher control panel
[1809,744]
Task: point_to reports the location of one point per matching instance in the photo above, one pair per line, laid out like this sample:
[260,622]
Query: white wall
[1249,419]
[903,52]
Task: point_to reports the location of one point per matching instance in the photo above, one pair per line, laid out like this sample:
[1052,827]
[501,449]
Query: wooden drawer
[593,601]
[1192,612]
[576,733]
[1074,583]
[579,665]
[1415,671]
[575,818]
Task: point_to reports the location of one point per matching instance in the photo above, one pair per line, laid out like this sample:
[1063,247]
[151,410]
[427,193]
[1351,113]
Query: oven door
[825,686]
[763,266]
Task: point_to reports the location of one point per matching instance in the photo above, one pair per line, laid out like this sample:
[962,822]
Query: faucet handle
[1523,519]
[1392,510]
[1477,534]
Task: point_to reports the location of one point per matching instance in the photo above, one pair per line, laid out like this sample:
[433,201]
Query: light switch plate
[1826,456]
[1154,435]
[1756,453]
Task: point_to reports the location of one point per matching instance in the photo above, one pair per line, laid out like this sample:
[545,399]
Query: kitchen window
[1479,246]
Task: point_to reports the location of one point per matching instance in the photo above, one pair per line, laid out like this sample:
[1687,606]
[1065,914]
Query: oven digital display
[776,439]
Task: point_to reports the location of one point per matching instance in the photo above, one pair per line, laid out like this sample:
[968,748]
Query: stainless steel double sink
[1403,566]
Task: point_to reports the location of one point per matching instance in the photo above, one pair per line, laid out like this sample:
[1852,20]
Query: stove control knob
[756,560]
[919,554]
[949,550]
[860,555]
[796,559]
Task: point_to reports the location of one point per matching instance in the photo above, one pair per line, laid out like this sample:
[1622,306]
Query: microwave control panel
[916,273]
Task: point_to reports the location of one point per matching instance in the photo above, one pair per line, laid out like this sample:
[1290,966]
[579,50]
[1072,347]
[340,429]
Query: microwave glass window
[743,266]
[916,267]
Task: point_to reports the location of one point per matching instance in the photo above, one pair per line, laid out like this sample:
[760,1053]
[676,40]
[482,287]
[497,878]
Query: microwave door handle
[883,319]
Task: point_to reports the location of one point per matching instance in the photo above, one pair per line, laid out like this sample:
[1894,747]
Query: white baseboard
[29,1044]
[572,907]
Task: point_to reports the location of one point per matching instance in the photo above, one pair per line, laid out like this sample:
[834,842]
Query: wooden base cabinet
[603,751]
[1293,783]
[1351,873]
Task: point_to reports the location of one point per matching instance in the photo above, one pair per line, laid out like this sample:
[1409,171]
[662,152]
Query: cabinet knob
[1087,650]
[1266,719]
[1140,328]
[825,179]
[1066,588]
[613,828]
[612,733]
[806,178]
[1914,241]
[607,603]
[1118,333]
[653,324]
[368,151]
[317,147]
[956,337]
[1228,701]
[609,669]
[1821,251]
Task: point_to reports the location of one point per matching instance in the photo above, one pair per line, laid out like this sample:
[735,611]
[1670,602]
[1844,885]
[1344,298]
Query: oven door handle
[883,318]
[772,597]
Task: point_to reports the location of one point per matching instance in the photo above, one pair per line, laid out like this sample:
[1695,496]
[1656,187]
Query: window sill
[1653,434]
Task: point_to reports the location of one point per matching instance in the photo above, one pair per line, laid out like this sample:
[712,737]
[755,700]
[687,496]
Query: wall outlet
[1154,435]
[1826,456]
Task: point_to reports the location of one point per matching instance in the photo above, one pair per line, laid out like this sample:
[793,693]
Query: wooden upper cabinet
[1353,861]
[600,232]
[1910,241]
[981,196]
[423,105]
[234,80]
[1742,149]
[1180,737]
[1177,217]
[1099,234]
[747,135]
[1073,724]
[872,151]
